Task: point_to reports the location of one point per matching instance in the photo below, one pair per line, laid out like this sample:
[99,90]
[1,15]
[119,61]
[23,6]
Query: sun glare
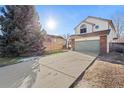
[51,24]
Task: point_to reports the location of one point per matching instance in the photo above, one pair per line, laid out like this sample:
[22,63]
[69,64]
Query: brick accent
[73,44]
[103,44]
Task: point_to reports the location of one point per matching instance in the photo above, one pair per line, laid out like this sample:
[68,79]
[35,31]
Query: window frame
[83,29]
[96,26]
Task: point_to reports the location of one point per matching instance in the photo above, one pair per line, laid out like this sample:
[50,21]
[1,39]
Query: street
[13,75]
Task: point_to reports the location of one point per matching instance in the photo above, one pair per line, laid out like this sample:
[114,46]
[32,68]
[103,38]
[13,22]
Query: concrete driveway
[52,71]
[62,69]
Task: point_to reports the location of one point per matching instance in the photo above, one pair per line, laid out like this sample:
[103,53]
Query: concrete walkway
[62,69]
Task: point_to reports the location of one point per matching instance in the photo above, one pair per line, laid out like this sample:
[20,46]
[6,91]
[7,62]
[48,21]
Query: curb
[82,74]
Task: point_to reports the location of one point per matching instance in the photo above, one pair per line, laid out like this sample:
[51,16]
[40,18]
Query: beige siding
[110,37]
[89,28]
[112,34]
[103,25]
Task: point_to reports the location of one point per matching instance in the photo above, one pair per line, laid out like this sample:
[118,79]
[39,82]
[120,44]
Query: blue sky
[67,17]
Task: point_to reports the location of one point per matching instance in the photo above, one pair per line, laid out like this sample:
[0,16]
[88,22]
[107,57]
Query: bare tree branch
[118,20]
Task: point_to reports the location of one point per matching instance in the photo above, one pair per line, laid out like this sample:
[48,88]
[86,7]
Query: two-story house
[93,35]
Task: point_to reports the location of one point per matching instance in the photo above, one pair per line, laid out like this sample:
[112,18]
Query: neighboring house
[93,35]
[54,42]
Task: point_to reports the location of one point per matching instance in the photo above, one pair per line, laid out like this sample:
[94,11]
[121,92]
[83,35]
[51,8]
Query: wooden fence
[117,47]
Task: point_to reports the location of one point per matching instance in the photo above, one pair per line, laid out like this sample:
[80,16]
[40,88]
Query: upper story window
[83,29]
[97,27]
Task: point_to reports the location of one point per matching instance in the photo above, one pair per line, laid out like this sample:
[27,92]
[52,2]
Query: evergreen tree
[21,31]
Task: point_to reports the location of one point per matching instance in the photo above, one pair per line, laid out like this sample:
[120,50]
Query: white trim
[88,38]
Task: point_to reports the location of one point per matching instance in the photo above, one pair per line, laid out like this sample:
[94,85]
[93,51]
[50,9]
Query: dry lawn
[103,74]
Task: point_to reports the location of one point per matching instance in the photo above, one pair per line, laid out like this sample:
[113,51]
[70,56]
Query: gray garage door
[90,47]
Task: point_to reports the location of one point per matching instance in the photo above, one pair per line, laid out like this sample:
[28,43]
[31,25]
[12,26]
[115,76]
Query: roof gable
[99,18]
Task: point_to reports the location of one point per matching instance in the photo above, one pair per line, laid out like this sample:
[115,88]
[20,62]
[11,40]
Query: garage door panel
[90,47]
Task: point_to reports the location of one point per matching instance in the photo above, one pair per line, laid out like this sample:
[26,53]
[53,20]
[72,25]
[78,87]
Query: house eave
[98,33]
